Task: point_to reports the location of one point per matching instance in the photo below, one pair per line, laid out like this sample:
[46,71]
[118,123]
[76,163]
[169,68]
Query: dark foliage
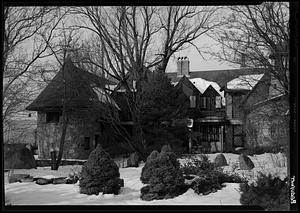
[270,193]
[197,166]
[206,183]
[157,135]
[100,174]
[159,102]
[209,177]
[163,176]
[18,156]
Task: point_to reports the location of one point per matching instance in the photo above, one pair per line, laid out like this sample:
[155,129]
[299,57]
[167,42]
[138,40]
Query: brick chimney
[243,60]
[183,67]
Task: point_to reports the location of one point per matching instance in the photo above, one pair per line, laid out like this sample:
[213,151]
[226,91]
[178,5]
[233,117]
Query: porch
[207,136]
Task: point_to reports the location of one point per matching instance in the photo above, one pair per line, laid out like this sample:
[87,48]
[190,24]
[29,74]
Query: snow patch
[31,193]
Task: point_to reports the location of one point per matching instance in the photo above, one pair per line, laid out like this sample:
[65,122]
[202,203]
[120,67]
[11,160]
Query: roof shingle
[79,89]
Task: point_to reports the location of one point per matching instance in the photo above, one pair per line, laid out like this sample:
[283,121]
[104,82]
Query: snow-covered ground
[267,163]
[31,193]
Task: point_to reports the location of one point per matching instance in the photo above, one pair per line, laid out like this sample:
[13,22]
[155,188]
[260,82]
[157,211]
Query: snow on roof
[202,84]
[174,83]
[244,82]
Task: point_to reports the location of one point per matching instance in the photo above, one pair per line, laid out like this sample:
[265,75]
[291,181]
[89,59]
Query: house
[214,105]
[266,120]
[86,102]
[266,106]
[235,92]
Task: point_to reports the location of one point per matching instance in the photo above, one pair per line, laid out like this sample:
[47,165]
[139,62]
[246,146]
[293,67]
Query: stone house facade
[85,104]
[266,116]
[267,110]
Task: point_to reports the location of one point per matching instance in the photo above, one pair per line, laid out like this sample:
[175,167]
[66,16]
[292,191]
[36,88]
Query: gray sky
[197,63]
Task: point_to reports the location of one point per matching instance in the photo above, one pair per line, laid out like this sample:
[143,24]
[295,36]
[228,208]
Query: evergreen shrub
[270,193]
[163,176]
[100,174]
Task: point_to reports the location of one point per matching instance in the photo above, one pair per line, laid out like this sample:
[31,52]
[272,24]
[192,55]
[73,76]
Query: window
[53,117]
[192,101]
[209,133]
[203,102]
[86,143]
[218,101]
[211,103]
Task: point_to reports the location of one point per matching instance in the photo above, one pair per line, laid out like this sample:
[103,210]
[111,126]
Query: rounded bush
[147,169]
[163,176]
[154,154]
[100,174]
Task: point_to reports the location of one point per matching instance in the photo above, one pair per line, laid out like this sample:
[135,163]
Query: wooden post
[190,140]
[53,159]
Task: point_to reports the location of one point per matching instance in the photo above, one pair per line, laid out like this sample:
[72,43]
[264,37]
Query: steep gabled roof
[221,77]
[188,83]
[211,90]
[80,91]
[203,84]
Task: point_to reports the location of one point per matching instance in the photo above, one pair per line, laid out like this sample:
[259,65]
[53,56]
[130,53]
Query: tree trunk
[138,136]
[53,160]
[62,142]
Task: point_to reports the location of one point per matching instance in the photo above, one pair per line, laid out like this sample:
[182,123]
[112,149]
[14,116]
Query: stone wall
[48,136]
[265,127]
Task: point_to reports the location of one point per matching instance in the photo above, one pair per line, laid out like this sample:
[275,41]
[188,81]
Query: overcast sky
[197,63]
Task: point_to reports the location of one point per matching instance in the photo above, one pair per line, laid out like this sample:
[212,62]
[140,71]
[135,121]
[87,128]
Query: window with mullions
[209,133]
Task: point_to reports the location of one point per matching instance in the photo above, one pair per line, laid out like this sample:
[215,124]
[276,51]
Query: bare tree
[22,49]
[253,34]
[125,34]
[258,36]
[67,45]
[133,40]
[181,26]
